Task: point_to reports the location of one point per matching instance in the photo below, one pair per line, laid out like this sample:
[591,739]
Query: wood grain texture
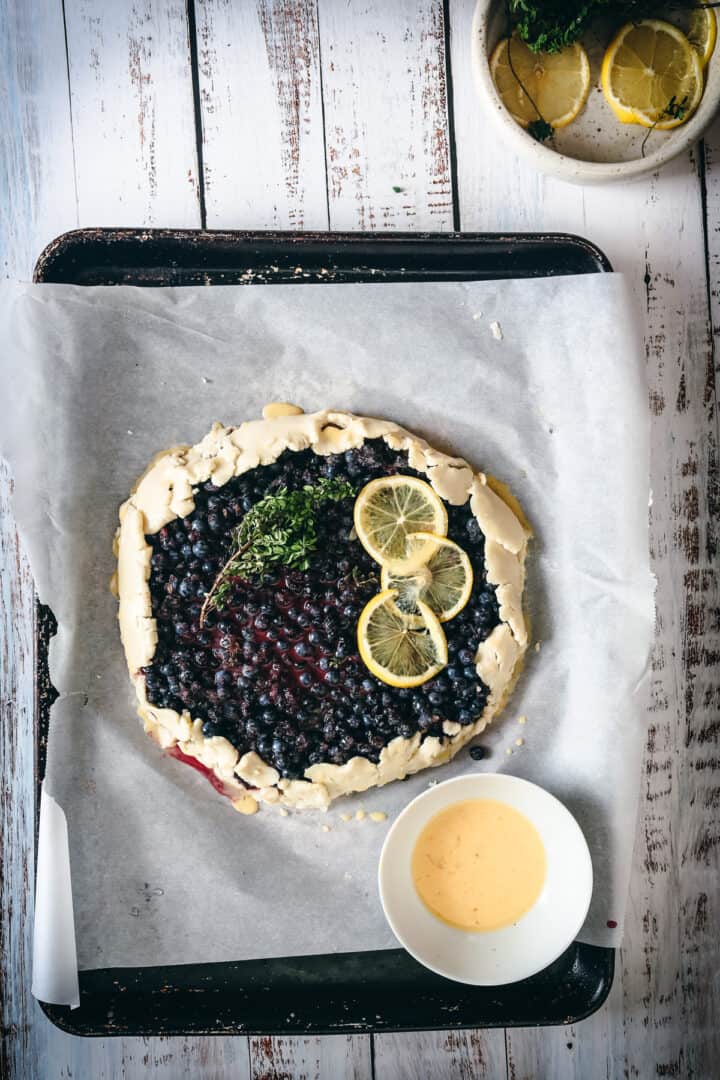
[334,1057]
[132,112]
[37,201]
[37,179]
[450,1055]
[653,231]
[64,1057]
[386,125]
[261,109]
[17,797]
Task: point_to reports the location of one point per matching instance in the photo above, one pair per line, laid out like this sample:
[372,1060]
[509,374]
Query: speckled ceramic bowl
[595,148]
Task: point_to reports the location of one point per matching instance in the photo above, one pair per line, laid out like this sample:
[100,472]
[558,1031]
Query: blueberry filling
[277,669]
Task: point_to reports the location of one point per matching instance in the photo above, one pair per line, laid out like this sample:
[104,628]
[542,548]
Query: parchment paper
[551,399]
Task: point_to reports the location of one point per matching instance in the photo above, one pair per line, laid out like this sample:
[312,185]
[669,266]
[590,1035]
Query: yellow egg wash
[479,865]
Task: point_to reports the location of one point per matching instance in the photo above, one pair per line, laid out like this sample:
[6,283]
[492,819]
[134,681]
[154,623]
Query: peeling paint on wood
[37,180]
[262,123]
[132,113]
[334,1057]
[452,1055]
[386,124]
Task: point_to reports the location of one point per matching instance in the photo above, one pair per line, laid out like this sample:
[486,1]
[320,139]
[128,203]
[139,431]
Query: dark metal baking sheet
[349,992]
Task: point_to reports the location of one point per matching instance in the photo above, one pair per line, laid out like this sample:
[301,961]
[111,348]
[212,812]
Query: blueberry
[477,753]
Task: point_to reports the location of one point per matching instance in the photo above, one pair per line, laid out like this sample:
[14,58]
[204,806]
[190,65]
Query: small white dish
[513,952]
[594,148]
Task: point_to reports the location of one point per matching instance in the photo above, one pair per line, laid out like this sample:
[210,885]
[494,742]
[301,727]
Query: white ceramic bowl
[516,951]
[594,148]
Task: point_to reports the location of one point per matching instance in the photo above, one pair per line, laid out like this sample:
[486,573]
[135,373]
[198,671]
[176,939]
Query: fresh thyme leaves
[551,25]
[674,110]
[280,529]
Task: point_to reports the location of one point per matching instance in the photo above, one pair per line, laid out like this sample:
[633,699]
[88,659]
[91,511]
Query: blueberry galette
[311,605]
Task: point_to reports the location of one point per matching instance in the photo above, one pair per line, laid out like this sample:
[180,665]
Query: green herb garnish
[280,529]
[674,110]
[551,25]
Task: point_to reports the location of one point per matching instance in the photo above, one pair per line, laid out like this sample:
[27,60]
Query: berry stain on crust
[276,670]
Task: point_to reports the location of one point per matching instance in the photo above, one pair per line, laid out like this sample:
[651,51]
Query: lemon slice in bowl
[400,650]
[444,581]
[702,32]
[533,86]
[649,67]
[389,508]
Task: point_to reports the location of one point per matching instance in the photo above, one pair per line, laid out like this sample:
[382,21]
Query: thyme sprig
[674,110]
[551,25]
[280,529]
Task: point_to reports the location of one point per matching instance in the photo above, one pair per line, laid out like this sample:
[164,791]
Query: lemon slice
[648,65]
[552,86]
[389,508]
[444,582]
[702,32]
[398,649]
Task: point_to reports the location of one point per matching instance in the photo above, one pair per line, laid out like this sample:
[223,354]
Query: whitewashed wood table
[316,114]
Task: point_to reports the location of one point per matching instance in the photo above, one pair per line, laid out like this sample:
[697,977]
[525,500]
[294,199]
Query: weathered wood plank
[37,180]
[16,793]
[450,1055]
[654,232]
[132,113]
[334,1057]
[62,1057]
[386,126]
[261,109]
[37,201]
[591,1050]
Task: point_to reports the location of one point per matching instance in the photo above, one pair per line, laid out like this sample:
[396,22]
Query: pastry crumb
[519,742]
[508,750]
[522,719]
[130,432]
[378,815]
[360,815]
[246,805]
[346,817]
[537,646]
[284,812]
[477,315]
[205,380]
[325,828]
[432,783]
[496,330]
